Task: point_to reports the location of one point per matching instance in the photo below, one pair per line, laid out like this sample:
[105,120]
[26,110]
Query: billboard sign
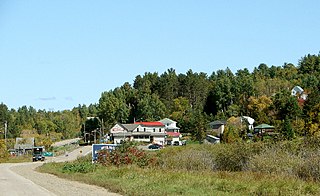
[97,147]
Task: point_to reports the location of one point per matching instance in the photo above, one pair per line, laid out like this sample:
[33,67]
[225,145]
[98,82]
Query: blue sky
[57,54]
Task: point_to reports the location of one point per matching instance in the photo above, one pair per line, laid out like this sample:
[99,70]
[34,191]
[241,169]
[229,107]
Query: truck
[37,153]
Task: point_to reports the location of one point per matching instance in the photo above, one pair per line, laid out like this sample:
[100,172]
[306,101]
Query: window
[159,129]
[137,129]
[144,129]
[154,129]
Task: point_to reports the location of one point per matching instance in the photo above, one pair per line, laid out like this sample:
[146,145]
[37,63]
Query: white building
[298,91]
[153,132]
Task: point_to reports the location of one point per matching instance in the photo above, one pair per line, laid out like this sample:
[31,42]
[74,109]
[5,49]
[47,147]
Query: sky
[55,55]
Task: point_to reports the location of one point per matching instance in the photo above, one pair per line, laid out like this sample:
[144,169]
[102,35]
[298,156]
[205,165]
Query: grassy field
[286,168]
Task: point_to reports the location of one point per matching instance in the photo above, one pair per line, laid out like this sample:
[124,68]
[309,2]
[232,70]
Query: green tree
[168,87]
[286,105]
[113,107]
[198,125]
[150,108]
[310,64]
[287,130]
[195,87]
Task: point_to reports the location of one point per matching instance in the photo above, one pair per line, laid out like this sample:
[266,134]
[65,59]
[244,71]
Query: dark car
[155,146]
[37,154]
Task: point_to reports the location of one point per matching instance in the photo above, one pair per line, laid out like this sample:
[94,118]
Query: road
[22,179]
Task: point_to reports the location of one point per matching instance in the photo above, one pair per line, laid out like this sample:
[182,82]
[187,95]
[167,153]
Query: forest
[192,99]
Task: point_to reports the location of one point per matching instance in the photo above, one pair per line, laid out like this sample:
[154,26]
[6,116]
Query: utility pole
[102,127]
[5,131]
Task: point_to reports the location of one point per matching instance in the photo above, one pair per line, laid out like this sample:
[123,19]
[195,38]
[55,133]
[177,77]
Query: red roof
[150,124]
[173,134]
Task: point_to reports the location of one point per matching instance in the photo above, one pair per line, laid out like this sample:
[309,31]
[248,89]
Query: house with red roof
[153,132]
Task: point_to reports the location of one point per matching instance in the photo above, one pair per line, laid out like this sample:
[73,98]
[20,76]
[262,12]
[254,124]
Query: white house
[170,125]
[173,132]
[139,131]
[249,120]
[298,91]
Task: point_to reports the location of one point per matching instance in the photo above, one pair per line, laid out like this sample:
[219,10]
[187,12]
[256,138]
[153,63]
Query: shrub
[4,154]
[81,165]
[231,157]
[125,154]
[274,160]
[309,168]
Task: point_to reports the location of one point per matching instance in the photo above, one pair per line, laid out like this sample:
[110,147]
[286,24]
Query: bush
[125,154]
[231,157]
[4,154]
[274,160]
[309,167]
[81,165]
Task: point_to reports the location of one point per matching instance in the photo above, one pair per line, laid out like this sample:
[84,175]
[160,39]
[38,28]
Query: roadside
[15,175]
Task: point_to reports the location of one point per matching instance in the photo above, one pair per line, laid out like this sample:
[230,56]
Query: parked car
[37,154]
[177,143]
[155,146]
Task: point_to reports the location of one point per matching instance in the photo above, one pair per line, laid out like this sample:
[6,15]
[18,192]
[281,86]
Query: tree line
[192,99]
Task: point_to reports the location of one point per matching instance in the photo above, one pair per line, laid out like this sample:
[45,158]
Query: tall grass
[300,158]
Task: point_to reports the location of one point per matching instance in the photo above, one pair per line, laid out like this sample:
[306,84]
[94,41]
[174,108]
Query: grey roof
[167,120]
[218,122]
[124,134]
[130,127]
[298,89]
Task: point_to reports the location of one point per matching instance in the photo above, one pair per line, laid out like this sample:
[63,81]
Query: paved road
[21,179]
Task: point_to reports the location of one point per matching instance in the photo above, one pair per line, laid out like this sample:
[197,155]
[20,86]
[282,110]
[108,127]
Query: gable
[117,128]
[167,120]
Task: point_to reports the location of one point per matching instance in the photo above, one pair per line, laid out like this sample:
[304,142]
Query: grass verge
[132,180]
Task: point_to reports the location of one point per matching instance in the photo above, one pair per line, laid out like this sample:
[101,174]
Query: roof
[218,122]
[166,120]
[298,89]
[213,137]
[150,124]
[130,127]
[264,126]
[173,134]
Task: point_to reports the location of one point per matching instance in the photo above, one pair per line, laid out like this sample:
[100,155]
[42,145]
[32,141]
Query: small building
[264,130]
[170,125]
[173,137]
[217,127]
[24,145]
[299,92]
[212,139]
